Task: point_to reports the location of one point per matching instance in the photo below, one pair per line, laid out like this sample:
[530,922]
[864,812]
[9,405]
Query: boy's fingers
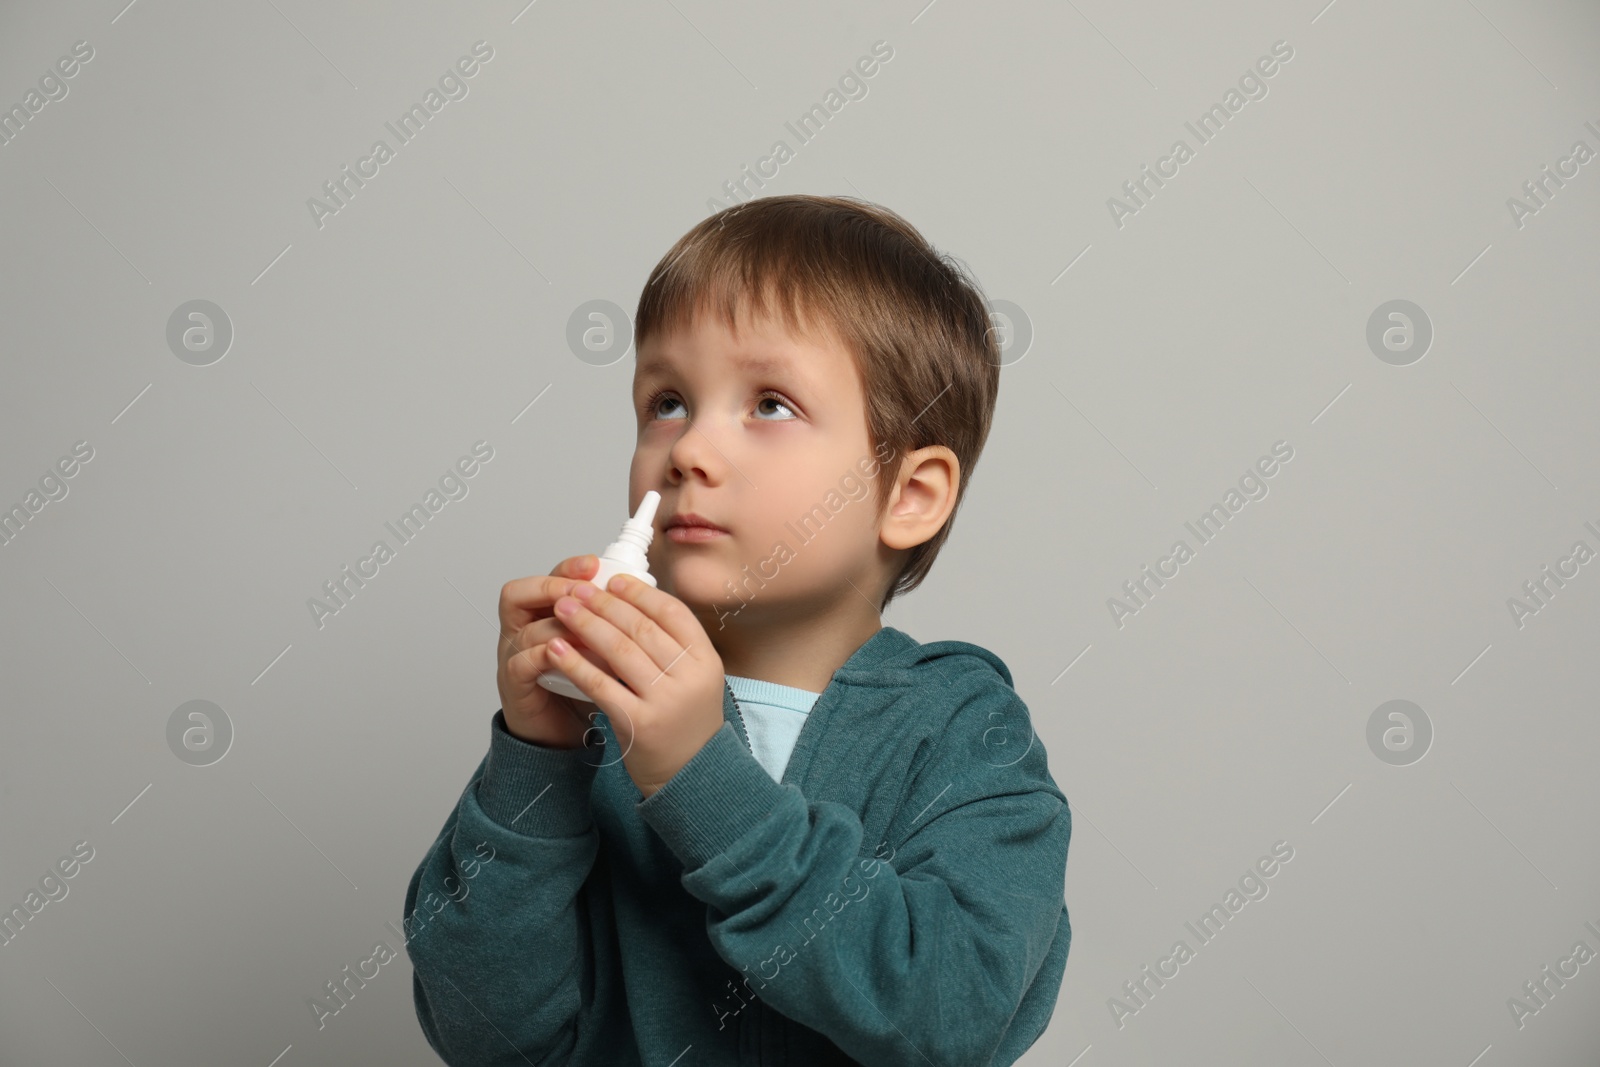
[595,682]
[665,610]
[525,600]
[528,663]
[634,629]
[584,566]
[533,634]
[613,642]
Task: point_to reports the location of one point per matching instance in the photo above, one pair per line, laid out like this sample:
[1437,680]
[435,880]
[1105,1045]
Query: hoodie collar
[876,652]
[880,649]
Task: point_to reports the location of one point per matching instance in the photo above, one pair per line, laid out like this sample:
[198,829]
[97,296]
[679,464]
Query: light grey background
[1228,314]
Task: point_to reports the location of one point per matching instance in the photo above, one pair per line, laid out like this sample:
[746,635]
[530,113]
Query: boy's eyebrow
[758,364]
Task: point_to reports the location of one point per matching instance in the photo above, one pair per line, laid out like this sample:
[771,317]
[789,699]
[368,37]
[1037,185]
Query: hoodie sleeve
[499,944]
[921,952]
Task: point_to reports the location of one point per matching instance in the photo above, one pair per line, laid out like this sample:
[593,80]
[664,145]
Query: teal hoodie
[897,899]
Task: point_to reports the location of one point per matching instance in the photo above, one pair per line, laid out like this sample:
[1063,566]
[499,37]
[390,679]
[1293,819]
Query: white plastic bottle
[625,555]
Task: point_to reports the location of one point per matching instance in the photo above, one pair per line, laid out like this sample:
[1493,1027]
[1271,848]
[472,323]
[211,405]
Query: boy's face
[776,455]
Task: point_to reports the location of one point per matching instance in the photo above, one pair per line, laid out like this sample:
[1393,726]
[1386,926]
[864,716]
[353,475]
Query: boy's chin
[703,588]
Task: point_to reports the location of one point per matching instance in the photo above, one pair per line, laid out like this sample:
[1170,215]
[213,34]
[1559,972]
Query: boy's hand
[533,713]
[672,702]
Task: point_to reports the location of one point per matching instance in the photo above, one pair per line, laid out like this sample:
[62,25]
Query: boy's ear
[923,497]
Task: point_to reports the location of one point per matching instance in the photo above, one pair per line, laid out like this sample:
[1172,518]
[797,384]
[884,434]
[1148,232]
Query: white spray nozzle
[637,533]
[645,517]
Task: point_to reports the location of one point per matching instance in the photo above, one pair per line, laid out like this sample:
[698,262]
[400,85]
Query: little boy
[783,833]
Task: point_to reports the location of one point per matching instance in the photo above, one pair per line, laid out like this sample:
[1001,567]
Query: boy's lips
[690,528]
[694,534]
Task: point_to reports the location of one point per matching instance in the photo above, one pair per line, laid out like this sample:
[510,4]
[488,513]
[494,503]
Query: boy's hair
[914,320]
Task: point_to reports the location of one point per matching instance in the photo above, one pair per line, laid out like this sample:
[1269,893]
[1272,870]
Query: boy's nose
[694,455]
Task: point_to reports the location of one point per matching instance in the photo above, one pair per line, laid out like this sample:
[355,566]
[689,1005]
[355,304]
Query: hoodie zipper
[738,711]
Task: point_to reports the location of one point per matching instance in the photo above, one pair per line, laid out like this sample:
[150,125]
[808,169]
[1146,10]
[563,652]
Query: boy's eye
[652,407]
[776,399]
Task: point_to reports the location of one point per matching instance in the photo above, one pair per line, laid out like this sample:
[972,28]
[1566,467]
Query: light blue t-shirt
[773,716]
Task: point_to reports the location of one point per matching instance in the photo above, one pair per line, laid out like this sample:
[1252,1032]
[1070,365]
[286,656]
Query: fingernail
[584,590]
[558,646]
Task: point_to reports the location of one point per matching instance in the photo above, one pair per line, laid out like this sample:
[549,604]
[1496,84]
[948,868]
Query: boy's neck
[801,651]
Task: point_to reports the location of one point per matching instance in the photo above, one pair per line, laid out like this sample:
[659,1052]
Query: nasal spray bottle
[625,555]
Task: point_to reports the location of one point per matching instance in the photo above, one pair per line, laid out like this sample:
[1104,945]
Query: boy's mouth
[694,534]
[689,528]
